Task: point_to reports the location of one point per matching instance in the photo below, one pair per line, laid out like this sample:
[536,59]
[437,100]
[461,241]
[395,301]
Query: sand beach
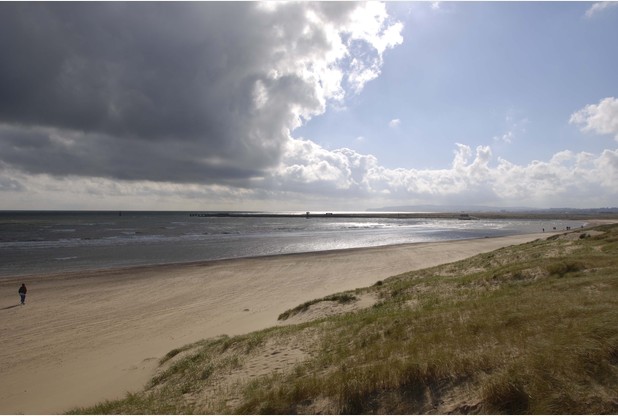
[86,337]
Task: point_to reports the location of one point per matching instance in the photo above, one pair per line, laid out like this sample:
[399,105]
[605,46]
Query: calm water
[47,242]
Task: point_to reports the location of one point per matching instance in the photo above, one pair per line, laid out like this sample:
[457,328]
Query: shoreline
[64,260]
[114,269]
[102,272]
[85,337]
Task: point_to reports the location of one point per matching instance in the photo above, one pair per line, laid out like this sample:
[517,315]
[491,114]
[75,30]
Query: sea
[46,242]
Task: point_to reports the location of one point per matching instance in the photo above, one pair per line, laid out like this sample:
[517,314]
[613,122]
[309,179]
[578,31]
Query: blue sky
[308,105]
[474,72]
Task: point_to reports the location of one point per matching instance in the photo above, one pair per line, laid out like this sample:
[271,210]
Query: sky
[308,105]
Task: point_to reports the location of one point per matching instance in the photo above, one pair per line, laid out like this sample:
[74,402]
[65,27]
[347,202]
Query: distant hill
[482,208]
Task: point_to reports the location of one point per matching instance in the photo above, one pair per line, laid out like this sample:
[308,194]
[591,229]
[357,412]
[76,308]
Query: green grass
[525,329]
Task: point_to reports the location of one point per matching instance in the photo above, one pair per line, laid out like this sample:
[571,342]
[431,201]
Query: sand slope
[88,337]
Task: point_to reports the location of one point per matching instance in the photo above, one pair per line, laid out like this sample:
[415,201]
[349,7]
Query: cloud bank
[473,176]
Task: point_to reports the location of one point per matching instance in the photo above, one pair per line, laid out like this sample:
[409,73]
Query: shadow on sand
[11,307]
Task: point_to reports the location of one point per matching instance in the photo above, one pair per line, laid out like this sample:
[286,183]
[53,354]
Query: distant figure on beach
[22,293]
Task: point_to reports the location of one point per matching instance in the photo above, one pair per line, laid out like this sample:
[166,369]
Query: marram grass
[524,329]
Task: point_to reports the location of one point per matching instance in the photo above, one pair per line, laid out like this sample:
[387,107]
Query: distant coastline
[533,215]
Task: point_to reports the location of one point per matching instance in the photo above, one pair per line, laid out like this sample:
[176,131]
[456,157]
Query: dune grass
[337,297]
[524,329]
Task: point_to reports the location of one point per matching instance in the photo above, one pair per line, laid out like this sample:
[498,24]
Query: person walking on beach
[22,293]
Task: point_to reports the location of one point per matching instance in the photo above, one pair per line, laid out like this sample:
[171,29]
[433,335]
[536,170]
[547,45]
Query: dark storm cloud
[158,91]
[55,152]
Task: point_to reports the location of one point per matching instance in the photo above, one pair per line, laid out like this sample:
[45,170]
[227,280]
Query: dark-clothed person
[22,293]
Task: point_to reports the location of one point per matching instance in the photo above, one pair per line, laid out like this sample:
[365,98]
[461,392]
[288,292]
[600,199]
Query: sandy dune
[87,337]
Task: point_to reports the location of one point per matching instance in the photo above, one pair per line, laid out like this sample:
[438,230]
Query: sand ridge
[86,337]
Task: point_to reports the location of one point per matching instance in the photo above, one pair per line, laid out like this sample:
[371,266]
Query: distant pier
[309,214]
[395,215]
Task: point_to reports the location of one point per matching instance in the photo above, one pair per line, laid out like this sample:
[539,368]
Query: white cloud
[369,25]
[568,178]
[599,118]
[607,169]
[306,166]
[598,7]
[507,137]
[515,127]
[394,123]
[310,175]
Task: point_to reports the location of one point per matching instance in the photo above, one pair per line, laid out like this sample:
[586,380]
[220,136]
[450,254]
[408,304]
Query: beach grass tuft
[343,298]
[525,329]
